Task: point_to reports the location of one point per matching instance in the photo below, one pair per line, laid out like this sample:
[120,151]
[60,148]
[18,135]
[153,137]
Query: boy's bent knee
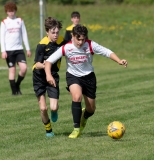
[77,98]
[43,109]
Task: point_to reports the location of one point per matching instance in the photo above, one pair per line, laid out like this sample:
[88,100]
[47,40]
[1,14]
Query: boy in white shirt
[13,32]
[80,76]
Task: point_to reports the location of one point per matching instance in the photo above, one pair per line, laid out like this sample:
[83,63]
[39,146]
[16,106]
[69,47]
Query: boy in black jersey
[45,48]
[75,18]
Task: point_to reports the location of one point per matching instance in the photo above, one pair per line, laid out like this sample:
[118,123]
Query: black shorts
[40,86]
[14,57]
[87,83]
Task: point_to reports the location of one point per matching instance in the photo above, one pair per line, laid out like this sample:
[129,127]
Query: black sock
[13,86]
[76,112]
[87,114]
[19,81]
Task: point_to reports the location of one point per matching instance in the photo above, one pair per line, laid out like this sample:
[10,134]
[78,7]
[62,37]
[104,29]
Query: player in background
[80,74]
[13,32]
[46,47]
[75,18]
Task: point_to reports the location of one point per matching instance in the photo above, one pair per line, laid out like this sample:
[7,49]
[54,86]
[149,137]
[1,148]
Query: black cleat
[14,94]
[18,90]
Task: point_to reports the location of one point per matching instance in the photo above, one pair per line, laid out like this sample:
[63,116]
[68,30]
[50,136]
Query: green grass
[122,94]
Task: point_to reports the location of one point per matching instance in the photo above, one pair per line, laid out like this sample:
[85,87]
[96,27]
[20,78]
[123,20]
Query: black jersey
[44,49]
[68,32]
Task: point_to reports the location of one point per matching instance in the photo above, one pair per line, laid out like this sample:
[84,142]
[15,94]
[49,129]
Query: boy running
[46,47]
[80,74]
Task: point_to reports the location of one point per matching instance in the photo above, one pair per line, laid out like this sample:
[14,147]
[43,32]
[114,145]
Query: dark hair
[79,30]
[75,14]
[51,23]
[10,6]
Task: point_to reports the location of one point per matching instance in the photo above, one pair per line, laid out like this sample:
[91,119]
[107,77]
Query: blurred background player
[75,18]
[48,45]
[13,31]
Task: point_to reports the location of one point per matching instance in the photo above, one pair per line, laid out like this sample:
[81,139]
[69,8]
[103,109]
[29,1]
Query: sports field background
[122,94]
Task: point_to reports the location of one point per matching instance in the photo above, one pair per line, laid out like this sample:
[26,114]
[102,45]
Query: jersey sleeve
[55,56]
[25,36]
[39,53]
[98,49]
[2,36]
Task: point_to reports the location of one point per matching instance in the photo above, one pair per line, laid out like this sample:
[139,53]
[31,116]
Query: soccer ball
[116,130]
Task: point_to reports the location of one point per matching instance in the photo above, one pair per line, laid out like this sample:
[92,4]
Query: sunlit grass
[122,94]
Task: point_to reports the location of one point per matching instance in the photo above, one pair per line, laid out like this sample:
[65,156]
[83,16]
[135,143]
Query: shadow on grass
[94,134]
[85,134]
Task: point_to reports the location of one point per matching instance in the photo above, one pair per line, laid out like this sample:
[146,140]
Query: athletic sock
[76,112]
[48,127]
[87,114]
[19,79]
[13,86]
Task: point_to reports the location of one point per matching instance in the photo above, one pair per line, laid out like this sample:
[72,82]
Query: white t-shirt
[79,60]
[13,31]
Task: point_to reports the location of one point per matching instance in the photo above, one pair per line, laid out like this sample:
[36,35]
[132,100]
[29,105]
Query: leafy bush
[72,1]
[128,1]
[2,2]
[138,1]
[85,2]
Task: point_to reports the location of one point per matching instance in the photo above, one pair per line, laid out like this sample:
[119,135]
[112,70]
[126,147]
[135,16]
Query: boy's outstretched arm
[114,57]
[49,77]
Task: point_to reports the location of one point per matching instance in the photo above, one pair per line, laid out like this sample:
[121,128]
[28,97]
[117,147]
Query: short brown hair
[51,23]
[75,14]
[79,30]
[10,6]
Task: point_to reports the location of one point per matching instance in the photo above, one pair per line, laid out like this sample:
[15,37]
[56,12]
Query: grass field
[122,94]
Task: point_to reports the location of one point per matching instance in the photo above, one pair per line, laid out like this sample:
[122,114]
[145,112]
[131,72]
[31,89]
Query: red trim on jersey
[90,46]
[4,20]
[69,42]
[63,50]
[19,18]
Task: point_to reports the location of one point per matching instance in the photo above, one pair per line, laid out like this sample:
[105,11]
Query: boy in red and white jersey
[80,76]
[13,32]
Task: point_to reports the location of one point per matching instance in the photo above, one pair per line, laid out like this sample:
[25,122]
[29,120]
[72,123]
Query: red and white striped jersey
[79,60]
[13,32]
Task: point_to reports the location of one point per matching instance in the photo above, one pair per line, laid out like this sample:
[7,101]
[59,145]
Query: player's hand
[123,62]
[29,53]
[51,81]
[4,55]
[43,65]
